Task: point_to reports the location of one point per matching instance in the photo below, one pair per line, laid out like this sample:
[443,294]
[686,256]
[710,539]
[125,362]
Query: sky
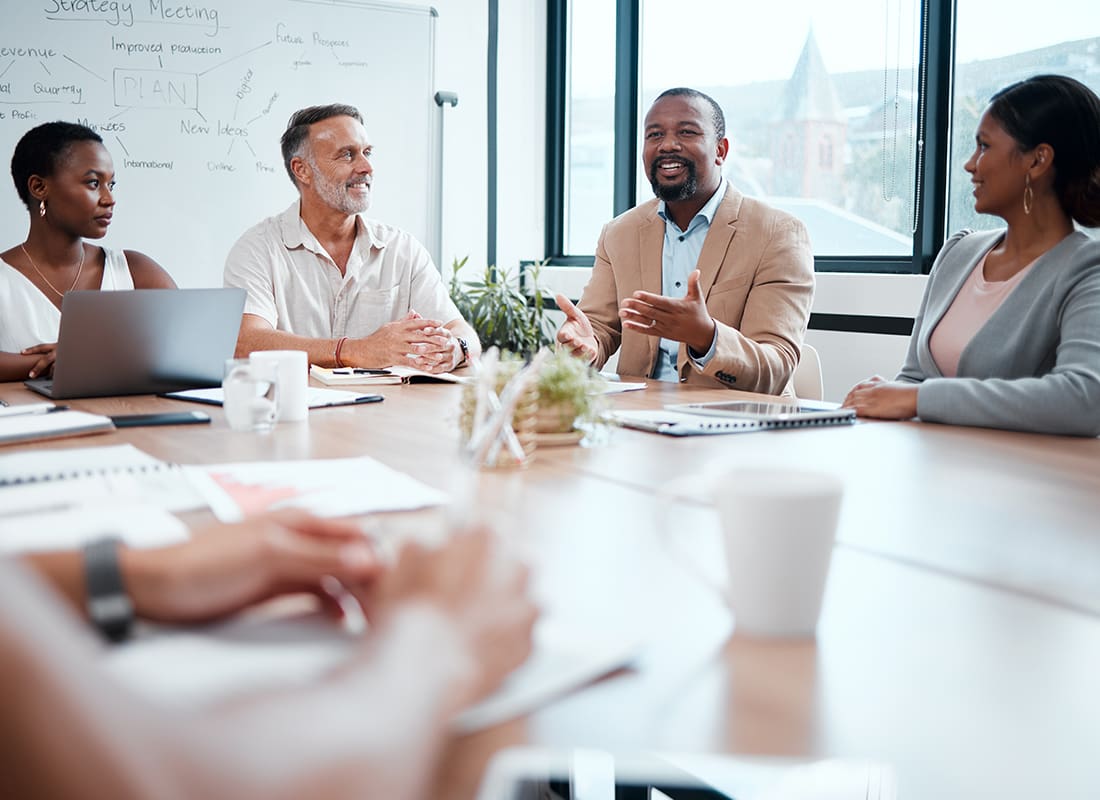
[712,42]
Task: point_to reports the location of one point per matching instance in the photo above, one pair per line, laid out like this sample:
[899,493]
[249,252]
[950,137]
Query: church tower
[810,136]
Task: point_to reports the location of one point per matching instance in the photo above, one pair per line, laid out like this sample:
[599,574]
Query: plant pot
[524,422]
[556,418]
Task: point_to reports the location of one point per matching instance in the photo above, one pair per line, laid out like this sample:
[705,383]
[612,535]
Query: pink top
[969,311]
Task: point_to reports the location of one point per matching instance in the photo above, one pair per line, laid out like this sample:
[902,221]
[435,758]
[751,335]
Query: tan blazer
[757,275]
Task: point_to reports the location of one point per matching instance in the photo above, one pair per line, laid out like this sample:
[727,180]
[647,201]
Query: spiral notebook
[733,416]
[93,475]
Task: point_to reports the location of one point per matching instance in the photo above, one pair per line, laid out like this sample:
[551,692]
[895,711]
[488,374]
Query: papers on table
[246,655]
[112,477]
[69,527]
[615,387]
[315,398]
[326,487]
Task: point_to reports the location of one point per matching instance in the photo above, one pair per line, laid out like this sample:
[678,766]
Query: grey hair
[296,136]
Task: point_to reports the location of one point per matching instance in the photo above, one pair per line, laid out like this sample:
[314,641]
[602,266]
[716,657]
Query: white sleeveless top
[27,317]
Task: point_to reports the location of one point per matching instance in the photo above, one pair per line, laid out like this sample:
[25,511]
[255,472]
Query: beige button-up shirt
[296,286]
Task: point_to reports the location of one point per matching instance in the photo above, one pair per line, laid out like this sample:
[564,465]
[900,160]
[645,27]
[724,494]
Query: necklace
[79,269]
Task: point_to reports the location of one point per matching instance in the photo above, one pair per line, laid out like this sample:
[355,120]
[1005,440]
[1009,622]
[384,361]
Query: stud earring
[42,208]
[1029,195]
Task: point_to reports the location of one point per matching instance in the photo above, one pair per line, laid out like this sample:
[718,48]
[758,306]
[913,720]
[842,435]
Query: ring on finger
[652,323]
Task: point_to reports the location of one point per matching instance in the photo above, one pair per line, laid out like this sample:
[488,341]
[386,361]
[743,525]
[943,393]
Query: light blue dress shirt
[679,257]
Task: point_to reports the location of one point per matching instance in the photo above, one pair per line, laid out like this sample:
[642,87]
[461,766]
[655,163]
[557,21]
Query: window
[991,52]
[838,112]
[590,122]
[798,76]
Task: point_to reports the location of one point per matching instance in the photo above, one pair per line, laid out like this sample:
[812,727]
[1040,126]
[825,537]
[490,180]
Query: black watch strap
[109,606]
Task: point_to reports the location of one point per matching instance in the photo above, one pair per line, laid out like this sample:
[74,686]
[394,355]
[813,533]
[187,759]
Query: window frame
[938,27]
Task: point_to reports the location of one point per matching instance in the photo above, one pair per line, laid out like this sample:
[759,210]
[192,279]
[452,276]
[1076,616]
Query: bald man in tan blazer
[741,320]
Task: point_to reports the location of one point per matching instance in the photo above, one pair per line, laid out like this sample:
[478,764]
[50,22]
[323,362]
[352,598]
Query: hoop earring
[1029,195]
[41,208]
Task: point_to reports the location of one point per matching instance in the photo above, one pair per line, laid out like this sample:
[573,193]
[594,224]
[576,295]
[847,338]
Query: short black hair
[297,129]
[1064,113]
[717,117]
[41,148]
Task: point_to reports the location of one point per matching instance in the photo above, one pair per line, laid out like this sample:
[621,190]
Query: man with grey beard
[701,285]
[320,277]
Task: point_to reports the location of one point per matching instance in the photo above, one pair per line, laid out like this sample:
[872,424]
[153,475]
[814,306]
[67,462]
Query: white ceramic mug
[778,529]
[292,369]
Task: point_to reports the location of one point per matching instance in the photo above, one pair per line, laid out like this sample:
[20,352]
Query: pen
[365,398]
[360,371]
[29,408]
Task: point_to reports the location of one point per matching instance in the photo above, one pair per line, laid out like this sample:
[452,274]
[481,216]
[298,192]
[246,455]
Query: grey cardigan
[1035,364]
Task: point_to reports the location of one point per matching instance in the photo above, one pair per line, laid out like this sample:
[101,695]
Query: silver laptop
[144,341]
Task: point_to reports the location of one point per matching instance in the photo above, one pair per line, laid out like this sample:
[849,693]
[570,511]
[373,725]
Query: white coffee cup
[778,529]
[292,369]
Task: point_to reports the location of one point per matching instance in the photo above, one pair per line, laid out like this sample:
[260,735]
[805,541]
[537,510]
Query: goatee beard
[671,193]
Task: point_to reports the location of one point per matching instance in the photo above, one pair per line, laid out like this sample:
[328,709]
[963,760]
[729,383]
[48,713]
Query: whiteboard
[191,98]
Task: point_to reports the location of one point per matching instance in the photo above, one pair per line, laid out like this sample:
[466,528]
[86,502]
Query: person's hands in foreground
[481,591]
[226,568]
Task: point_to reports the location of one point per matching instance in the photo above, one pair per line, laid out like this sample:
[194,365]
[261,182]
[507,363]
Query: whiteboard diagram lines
[239,55]
[77,63]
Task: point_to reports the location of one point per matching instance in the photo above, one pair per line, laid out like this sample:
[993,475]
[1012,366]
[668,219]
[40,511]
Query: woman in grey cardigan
[1008,333]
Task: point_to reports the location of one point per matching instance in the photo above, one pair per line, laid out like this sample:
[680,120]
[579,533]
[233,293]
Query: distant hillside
[753,104]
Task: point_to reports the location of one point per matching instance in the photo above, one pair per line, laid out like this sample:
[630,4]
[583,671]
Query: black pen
[364,398]
[360,371]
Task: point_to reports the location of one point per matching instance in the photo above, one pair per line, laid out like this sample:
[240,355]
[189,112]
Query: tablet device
[767,411]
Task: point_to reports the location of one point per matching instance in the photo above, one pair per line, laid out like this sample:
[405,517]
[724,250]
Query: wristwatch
[465,351]
[108,604]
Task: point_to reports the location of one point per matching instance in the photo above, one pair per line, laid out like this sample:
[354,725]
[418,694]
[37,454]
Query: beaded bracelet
[336,355]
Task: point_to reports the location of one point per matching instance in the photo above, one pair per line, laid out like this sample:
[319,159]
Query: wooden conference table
[960,637]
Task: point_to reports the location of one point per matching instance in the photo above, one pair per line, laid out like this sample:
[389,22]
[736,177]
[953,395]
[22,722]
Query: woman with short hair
[65,177]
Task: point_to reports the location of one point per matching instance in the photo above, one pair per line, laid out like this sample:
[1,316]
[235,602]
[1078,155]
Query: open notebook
[733,416]
[354,376]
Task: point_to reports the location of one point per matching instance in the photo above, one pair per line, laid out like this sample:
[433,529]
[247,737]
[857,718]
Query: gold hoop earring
[41,208]
[1029,195]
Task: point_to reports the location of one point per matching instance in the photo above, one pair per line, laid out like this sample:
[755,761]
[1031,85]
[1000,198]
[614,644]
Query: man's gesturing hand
[576,332]
[681,320]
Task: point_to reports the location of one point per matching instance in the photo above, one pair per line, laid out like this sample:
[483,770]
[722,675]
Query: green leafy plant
[501,313]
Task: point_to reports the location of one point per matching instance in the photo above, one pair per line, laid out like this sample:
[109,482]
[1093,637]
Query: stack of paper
[326,487]
[34,421]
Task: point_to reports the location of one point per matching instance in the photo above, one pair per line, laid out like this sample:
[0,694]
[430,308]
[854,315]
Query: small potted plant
[570,397]
[506,317]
